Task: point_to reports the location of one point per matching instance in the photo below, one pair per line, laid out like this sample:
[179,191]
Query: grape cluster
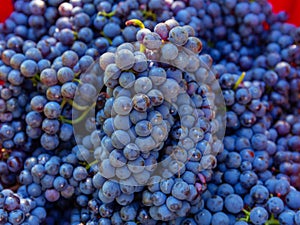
[17,210]
[105,119]
[286,157]
[14,104]
[158,121]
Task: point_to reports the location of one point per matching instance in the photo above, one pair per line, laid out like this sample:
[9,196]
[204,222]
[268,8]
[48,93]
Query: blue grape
[215,203]
[234,203]
[291,199]
[219,218]
[178,36]
[111,30]
[29,68]
[169,51]
[124,59]
[258,215]
[152,41]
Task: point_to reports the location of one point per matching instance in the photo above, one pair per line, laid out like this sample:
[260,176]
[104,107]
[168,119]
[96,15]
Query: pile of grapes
[174,112]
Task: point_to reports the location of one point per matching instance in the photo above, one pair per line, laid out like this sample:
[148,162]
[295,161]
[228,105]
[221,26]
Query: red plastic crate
[292,7]
[6,7]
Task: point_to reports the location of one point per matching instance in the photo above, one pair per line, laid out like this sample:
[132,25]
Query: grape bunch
[159,122]
[17,210]
[15,95]
[286,157]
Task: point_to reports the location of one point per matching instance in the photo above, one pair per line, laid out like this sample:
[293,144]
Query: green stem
[135,22]
[77,80]
[4,155]
[79,119]
[272,221]
[140,24]
[239,81]
[63,103]
[269,89]
[76,106]
[34,81]
[247,214]
[89,165]
[37,77]
[75,35]
[110,14]
[149,14]
[107,38]
[76,75]
[142,48]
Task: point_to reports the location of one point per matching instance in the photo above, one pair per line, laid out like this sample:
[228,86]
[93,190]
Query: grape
[38,102]
[34,190]
[123,105]
[180,190]
[34,54]
[65,74]
[194,44]
[120,139]
[112,72]
[140,102]
[157,75]
[204,216]
[117,159]
[170,89]
[290,199]
[69,58]
[178,36]
[15,77]
[121,122]
[169,51]
[142,85]
[146,144]
[140,63]
[52,110]
[11,202]
[111,29]
[143,128]
[16,217]
[87,92]
[29,68]
[275,205]
[152,41]
[124,59]
[127,213]
[181,61]
[162,30]
[127,79]
[173,204]
[123,172]
[129,33]
[220,217]
[234,203]
[79,173]
[215,203]
[137,165]
[258,215]
[141,34]
[164,213]
[49,142]
[50,126]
